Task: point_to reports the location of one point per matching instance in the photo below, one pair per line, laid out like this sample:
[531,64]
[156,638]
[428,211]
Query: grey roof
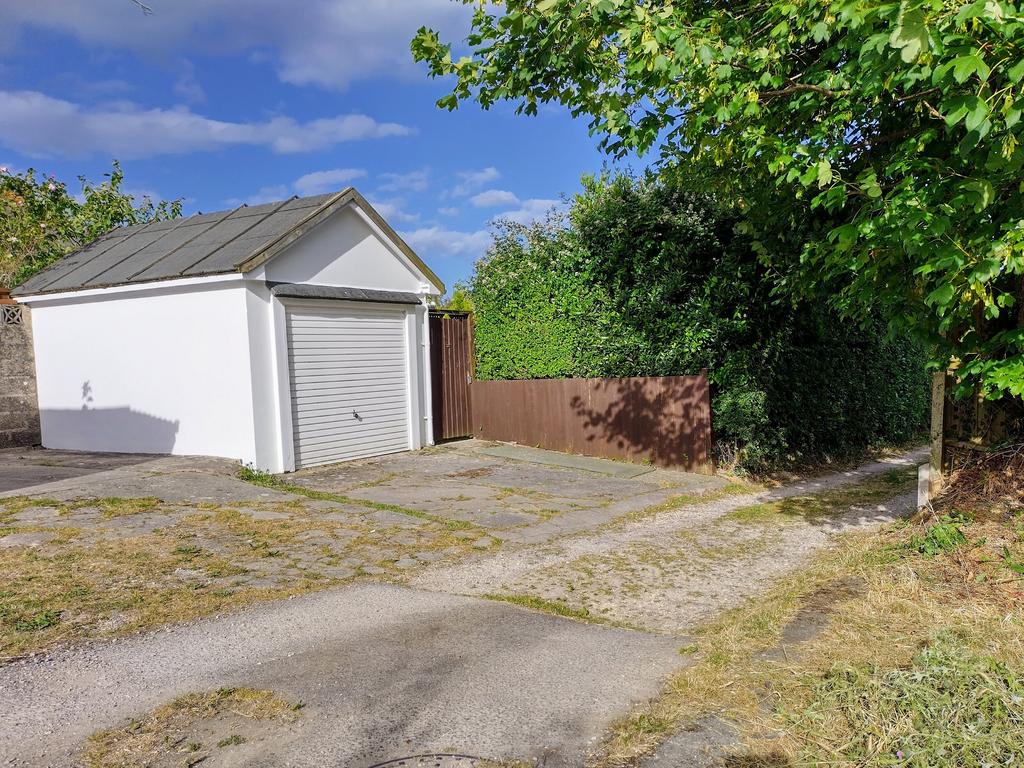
[307,291]
[238,240]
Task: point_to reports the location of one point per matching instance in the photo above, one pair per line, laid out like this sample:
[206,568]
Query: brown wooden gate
[451,372]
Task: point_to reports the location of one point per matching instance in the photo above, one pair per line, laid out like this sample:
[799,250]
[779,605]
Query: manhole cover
[431,761]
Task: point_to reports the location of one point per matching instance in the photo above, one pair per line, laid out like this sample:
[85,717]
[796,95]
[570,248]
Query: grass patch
[949,706]
[945,535]
[830,503]
[177,733]
[259,477]
[557,608]
[115,507]
[685,500]
[920,668]
[534,603]
[203,559]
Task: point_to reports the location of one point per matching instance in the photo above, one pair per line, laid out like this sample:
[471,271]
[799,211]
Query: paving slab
[190,479]
[22,468]
[384,672]
[568,460]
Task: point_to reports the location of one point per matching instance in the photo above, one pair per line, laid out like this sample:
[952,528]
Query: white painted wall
[161,370]
[344,251]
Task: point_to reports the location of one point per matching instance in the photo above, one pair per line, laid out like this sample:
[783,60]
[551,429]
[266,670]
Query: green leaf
[977,115]
[983,192]
[965,66]
[824,169]
[1016,72]
[941,296]
[986,270]
[544,6]
[911,33]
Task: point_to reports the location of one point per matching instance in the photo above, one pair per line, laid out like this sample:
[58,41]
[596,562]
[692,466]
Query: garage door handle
[356,416]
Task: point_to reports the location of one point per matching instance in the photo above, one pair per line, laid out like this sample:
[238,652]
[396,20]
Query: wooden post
[937,431]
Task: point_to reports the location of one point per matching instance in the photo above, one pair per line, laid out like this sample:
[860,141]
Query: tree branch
[798,87]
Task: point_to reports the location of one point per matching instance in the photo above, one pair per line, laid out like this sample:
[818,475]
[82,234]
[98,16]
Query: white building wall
[345,251]
[160,370]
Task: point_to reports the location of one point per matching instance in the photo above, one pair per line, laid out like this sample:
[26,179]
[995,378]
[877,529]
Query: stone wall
[19,407]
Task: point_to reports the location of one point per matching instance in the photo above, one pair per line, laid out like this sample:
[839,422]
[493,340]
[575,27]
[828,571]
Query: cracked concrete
[670,572]
[388,671]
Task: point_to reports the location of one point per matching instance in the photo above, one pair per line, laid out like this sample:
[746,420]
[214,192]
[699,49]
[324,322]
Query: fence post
[938,432]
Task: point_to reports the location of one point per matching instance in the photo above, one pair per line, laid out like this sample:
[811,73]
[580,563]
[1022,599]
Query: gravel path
[671,571]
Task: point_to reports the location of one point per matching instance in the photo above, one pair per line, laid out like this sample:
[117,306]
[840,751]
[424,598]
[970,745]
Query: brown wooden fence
[665,420]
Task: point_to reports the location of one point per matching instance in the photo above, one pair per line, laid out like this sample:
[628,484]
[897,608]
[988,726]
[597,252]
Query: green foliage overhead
[897,123]
[644,279]
[41,221]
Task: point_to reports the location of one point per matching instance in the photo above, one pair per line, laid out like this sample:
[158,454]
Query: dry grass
[827,504]
[785,700]
[206,559]
[735,488]
[988,483]
[268,480]
[191,729]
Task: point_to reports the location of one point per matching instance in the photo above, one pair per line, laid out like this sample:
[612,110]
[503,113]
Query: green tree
[647,278]
[40,220]
[896,125]
[459,300]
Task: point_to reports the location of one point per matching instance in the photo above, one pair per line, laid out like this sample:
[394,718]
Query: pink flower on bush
[51,186]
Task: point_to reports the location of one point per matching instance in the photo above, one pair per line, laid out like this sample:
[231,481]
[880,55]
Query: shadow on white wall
[115,430]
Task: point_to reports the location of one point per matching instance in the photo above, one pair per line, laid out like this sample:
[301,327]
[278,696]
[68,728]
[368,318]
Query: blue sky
[222,101]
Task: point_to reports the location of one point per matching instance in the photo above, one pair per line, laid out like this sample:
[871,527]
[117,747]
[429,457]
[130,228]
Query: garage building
[283,335]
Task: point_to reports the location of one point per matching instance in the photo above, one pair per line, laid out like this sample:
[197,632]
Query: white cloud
[186,86]
[319,182]
[491,198]
[470,181]
[269,194]
[394,212]
[36,124]
[413,181]
[315,183]
[448,211]
[532,210]
[330,43]
[431,242]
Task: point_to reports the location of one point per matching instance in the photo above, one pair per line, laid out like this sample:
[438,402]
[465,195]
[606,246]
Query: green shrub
[646,279]
[944,535]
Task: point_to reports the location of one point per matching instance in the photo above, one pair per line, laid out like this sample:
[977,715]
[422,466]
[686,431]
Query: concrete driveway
[24,468]
[385,671]
[524,495]
[407,647]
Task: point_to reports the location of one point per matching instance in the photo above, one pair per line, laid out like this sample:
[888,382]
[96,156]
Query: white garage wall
[162,370]
[345,251]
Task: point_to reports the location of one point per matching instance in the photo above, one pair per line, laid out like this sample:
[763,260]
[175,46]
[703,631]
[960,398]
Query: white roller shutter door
[349,372]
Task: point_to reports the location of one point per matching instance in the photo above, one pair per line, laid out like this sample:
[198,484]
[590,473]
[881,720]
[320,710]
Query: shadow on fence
[664,420]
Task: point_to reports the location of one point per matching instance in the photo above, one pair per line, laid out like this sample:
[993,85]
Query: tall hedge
[646,278]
